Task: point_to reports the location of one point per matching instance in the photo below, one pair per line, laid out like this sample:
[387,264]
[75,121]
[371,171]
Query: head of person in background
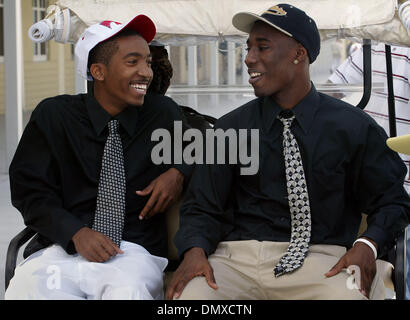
[161,67]
[162,75]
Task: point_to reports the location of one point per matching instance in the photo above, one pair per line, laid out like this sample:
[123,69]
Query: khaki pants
[244,270]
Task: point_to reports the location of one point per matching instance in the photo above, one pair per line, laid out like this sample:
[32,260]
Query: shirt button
[282,219]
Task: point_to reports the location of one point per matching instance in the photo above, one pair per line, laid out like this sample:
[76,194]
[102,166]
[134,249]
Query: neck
[290,97]
[107,101]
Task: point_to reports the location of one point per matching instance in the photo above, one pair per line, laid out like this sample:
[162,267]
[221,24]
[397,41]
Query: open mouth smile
[140,88]
[254,76]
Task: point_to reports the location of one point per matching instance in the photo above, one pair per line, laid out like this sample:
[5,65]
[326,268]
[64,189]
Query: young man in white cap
[83,177]
[290,230]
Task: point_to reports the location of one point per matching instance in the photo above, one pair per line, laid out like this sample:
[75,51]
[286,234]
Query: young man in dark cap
[84,180]
[289,231]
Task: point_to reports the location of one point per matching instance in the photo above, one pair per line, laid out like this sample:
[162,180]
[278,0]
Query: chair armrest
[400,266]
[15,244]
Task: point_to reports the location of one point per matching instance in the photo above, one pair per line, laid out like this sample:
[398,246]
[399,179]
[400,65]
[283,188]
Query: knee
[138,288]
[198,289]
[337,289]
[131,292]
[21,288]
[342,293]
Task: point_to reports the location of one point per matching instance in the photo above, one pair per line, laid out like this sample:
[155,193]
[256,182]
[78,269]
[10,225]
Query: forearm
[384,225]
[47,217]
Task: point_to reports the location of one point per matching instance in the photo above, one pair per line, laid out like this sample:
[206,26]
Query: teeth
[255,74]
[139,86]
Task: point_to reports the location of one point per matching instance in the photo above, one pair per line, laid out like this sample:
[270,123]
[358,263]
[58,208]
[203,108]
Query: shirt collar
[128,119]
[100,118]
[304,111]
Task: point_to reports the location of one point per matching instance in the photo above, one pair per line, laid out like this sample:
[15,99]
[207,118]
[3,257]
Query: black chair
[399,260]
[12,252]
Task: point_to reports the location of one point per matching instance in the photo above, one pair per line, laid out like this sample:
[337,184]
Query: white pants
[51,273]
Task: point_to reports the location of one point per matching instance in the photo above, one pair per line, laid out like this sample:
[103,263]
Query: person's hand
[362,256]
[195,264]
[94,246]
[164,191]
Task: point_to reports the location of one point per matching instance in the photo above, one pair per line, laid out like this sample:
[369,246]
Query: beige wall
[41,78]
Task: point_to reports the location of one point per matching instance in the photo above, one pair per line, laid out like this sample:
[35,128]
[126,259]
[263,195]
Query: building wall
[41,78]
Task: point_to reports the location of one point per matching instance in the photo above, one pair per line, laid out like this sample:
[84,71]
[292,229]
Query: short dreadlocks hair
[162,69]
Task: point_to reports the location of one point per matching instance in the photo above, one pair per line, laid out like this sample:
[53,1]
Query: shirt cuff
[66,236]
[379,236]
[194,242]
[185,169]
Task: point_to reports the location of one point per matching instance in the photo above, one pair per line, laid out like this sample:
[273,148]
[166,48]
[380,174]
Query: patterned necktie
[298,201]
[110,211]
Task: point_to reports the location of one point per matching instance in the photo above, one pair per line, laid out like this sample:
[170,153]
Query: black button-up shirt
[55,171]
[348,167]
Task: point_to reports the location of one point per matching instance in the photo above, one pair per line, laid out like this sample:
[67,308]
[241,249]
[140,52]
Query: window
[40,50]
[1,31]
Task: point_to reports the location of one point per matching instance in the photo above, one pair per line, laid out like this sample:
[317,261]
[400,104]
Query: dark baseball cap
[288,19]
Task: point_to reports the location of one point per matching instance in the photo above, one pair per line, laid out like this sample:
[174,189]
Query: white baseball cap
[100,32]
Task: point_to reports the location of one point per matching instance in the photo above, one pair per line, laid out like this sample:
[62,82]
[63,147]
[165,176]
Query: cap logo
[109,24]
[277,11]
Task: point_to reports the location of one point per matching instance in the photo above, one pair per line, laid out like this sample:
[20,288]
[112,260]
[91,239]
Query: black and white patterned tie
[298,199]
[110,211]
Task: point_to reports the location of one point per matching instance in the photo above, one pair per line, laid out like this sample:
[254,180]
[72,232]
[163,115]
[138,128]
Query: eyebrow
[262,39]
[137,55]
[259,39]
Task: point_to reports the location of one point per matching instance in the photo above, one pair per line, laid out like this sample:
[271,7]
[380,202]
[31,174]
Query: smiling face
[125,79]
[270,59]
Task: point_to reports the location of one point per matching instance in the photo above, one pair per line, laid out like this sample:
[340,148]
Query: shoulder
[160,110]
[236,117]
[158,101]
[344,115]
[332,104]
[58,106]
[160,105]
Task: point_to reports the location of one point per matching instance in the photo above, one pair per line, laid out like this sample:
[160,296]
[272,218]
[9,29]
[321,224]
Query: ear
[98,71]
[301,54]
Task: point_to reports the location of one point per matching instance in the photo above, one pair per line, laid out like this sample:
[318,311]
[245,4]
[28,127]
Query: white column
[61,68]
[245,75]
[214,63]
[80,82]
[192,75]
[192,66]
[14,75]
[231,63]
[183,70]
